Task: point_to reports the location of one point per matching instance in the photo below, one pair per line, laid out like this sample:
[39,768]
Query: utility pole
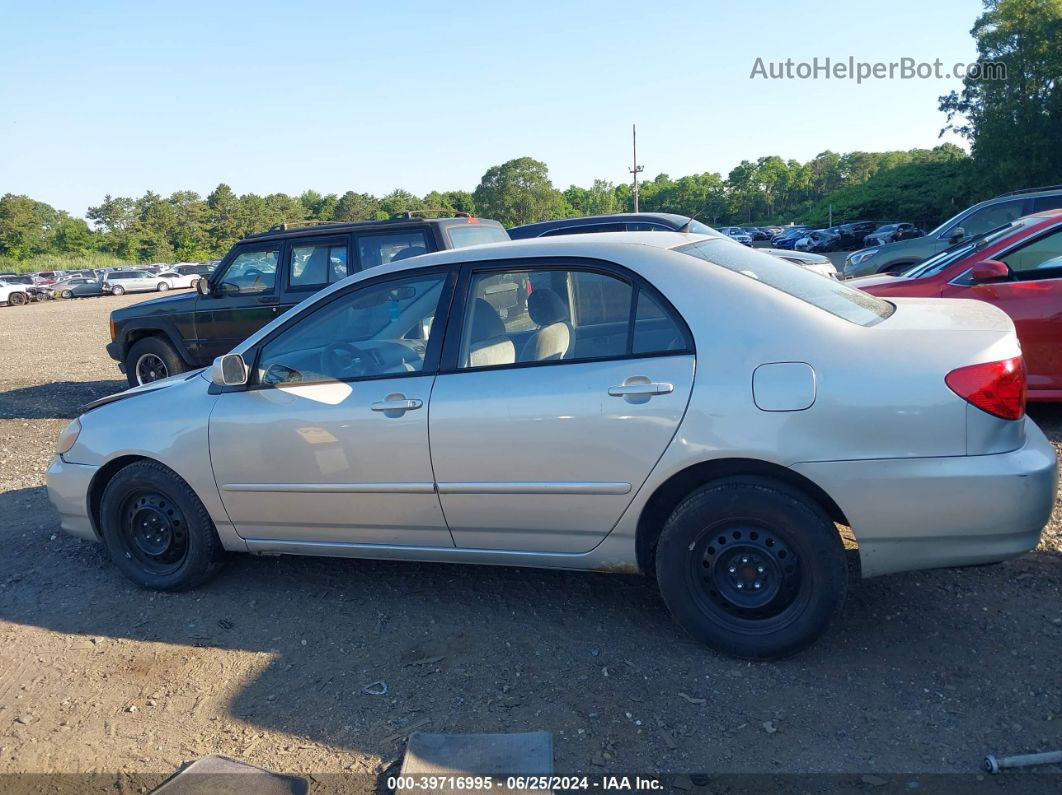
[637,169]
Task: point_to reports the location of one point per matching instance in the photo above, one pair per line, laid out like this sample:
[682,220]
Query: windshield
[831,296]
[465,235]
[950,256]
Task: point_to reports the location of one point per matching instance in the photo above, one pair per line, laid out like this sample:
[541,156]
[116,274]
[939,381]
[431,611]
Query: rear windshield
[838,299]
[465,235]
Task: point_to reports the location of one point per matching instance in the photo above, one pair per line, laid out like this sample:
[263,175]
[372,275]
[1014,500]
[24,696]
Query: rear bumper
[68,488]
[926,513]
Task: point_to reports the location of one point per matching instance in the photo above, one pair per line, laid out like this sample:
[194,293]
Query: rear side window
[465,235]
[829,295]
[375,250]
[1052,202]
[317,264]
[1040,259]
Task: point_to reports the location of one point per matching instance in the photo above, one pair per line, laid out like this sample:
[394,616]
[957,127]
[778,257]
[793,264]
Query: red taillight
[995,387]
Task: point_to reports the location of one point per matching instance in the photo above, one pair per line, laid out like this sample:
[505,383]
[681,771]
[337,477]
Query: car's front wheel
[751,567]
[164,286]
[17,299]
[152,359]
[156,529]
[68,294]
[117,290]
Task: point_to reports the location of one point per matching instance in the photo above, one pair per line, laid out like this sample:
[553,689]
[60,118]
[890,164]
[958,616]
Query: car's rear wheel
[17,299]
[152,359]
[751,567]
[156,529]
[117,290]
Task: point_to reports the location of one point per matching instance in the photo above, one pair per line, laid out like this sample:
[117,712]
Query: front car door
[328,445]
[243,299]
[562,385]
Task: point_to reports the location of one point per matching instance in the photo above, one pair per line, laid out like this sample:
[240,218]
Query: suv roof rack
[407,215]
[1031,190]
[284,227]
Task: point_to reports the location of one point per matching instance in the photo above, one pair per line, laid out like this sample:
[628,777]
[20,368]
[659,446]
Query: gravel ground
[923,674]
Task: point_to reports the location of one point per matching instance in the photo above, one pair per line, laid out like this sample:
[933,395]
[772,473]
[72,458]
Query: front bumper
[927,513]
[68,488]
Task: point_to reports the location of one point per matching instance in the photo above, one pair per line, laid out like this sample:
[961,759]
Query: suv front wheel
[152,359]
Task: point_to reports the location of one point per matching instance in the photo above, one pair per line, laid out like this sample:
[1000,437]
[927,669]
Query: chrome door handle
[641,389]
[397,404]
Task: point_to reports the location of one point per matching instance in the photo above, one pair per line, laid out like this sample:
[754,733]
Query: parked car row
[23,288]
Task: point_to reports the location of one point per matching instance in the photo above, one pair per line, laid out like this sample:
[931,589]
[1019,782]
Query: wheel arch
[133,334]
[672,491]
[99,482]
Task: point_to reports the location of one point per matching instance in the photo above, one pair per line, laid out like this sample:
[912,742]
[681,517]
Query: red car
[1017,267]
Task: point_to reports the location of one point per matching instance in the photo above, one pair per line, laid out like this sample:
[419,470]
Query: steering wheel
[349,360]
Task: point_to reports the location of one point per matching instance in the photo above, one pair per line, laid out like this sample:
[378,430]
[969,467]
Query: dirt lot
[925,672]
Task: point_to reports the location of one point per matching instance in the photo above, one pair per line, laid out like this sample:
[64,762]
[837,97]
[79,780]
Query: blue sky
[116,97]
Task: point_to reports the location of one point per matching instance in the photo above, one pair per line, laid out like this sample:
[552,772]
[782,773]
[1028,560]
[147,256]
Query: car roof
[672,219]
[285,231]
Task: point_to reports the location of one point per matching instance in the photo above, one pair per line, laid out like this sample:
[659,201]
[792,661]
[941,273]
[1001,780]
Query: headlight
[68,437]
[862,256]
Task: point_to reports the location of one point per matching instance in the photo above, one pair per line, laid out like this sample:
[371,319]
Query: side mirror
[989,270]
[202,286]
[229,370]
[958,234]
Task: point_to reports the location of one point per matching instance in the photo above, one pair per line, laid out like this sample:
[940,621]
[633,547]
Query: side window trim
[449,362]
[435,341]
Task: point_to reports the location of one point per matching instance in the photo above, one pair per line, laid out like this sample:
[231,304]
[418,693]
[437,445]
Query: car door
[329,442]
[554,403]
[243,299]
[1033,299]
[311,264]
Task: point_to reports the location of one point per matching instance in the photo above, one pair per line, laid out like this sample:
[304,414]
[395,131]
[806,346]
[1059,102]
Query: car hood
[862,282]
[175,303]
[805,257]
[154,386]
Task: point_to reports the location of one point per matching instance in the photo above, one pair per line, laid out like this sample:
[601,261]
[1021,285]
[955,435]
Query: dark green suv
[973,221]
[262,277]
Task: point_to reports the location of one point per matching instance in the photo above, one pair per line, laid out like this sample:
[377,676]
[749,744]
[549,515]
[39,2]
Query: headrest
[486,322]
[406,253]
[546,307]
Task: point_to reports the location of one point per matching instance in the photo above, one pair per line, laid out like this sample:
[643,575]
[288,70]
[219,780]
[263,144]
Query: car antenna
[686,228]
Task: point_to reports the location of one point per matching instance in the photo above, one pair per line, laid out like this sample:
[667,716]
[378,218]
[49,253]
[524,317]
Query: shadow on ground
[59,400]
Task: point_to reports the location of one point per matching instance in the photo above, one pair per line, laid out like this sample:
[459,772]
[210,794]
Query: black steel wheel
[156,529]
[751,567]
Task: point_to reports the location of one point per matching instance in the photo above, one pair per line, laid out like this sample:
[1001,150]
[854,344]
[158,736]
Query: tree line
[1014,127]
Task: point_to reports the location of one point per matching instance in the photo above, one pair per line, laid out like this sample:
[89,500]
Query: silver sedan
[657,402]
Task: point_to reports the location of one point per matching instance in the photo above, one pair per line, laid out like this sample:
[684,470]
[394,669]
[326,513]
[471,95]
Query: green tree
[1014,125]
[355,207]
[519,192]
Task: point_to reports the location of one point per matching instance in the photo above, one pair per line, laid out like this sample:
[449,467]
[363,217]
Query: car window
[251,272]
[1039,256]
[1051,202]
[317,264]
[381,329]
[645,226]
[524,316]
[464,235]
[585,229]
[990,217]
[374,250]
[831,296]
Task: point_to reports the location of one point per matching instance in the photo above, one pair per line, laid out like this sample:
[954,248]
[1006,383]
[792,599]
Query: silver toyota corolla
[659,402]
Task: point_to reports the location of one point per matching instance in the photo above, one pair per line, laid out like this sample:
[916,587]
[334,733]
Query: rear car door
[245,298]
[562,385]
[328,445]
[311,264]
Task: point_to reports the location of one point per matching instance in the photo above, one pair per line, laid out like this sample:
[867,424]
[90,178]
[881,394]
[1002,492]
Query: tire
[733,533]
[67,294]
[163,287]
[156,529]
[117,290]
[151,359]
[17,299]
